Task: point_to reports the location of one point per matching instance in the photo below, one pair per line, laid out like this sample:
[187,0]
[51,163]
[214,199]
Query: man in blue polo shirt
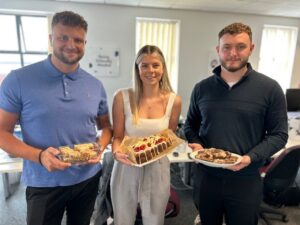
[57,104]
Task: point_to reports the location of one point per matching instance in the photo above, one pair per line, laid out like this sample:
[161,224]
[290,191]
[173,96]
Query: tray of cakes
[145,150]
[80,153]
[214,157]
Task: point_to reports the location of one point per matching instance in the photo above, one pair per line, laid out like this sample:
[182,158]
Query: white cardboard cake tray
[129,141]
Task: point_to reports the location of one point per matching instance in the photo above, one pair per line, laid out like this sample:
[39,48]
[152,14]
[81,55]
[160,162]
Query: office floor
[13,209]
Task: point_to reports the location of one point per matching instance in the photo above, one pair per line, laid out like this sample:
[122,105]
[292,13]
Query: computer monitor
[293,99]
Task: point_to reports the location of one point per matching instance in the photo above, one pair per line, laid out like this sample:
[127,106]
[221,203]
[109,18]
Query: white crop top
[145,127]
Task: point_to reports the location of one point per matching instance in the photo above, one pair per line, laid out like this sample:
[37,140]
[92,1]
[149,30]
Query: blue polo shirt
[55,110]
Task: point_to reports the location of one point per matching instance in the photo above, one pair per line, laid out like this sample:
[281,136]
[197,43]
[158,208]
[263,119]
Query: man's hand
[98,158]
[51,162]
[195,146]
[246,160]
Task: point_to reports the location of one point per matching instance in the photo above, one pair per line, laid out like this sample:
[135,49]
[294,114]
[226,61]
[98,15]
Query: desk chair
[278,177]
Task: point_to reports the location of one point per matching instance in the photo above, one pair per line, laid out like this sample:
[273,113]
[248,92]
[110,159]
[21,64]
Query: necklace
[156,104]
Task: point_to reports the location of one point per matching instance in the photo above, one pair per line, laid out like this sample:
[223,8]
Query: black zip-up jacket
[250,118]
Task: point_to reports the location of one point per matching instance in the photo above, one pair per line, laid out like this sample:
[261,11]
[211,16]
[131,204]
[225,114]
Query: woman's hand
[121,157]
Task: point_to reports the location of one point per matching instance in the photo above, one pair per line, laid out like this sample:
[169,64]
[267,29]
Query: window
[25,41]
[164,34]
[277,53]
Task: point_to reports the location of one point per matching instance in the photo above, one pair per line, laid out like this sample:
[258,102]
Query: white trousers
[148,185]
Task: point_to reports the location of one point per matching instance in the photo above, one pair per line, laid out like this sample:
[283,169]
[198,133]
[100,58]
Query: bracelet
[40,157]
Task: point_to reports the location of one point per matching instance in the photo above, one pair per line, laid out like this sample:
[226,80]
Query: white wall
[295,81]
[114,26]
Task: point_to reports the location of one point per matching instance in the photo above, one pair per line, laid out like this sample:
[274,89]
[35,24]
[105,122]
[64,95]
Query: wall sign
[213,61]
[101,61]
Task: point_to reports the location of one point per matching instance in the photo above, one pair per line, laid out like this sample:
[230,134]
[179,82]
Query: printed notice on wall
[213,61]
[101,61]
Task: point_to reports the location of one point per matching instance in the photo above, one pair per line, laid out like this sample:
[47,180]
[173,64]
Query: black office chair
[279,176]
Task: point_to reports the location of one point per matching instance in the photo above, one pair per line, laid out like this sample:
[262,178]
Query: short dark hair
[69,18]
[236,28]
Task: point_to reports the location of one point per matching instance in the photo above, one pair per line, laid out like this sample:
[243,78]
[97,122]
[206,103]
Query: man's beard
[231,69]
[66,60]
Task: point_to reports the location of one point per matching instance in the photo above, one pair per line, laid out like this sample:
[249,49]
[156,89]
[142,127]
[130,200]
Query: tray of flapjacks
[215,157]
[79,153]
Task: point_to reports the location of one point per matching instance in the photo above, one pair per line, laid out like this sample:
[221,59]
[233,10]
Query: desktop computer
[293,99]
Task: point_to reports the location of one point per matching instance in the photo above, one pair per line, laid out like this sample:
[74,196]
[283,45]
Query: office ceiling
[286,8]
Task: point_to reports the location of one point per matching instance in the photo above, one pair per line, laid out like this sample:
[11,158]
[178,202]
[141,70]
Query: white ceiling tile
[82,1]
[123,2]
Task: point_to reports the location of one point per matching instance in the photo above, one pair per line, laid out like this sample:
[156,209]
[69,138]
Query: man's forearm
[13,146]
[106,136]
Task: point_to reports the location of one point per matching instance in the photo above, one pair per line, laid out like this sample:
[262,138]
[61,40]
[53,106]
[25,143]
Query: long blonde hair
[164,83]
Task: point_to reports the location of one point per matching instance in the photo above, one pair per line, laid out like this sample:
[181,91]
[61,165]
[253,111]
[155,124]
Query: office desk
[8,165]
[294,131]
[180,154]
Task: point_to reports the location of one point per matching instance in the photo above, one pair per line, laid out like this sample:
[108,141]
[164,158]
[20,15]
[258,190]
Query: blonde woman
[147,108]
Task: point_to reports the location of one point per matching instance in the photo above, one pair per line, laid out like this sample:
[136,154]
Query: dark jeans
[46,206]
[235,198]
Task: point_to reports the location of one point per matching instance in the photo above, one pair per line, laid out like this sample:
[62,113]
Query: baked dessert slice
[80,152]
[150,147]
[69,155]
[216,156]
[85,147]
[144,150]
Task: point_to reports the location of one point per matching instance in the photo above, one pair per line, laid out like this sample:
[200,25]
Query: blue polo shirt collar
[54,72]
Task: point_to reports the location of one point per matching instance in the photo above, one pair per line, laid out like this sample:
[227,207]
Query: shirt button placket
[66,87]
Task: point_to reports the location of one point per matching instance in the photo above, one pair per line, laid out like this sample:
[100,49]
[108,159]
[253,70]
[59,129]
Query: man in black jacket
[242,111]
